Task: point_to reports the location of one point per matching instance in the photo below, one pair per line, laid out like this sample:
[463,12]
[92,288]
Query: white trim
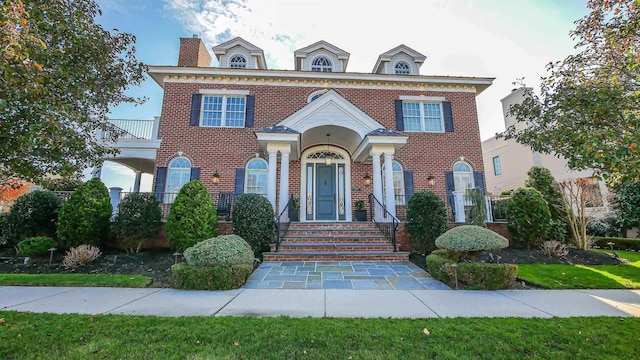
[422,98]
[319,92]
[223,92]
[223,119]
[422,117]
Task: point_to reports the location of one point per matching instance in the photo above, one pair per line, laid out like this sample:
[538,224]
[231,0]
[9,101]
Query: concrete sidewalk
[323,303]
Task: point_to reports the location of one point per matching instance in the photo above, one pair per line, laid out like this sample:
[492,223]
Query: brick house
[324,135]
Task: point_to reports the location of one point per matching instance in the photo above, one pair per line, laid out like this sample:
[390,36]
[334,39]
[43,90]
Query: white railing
[134,129]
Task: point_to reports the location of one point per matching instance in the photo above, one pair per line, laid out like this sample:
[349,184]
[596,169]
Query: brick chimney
[193,53]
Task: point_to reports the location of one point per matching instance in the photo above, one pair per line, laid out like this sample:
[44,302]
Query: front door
[325,192]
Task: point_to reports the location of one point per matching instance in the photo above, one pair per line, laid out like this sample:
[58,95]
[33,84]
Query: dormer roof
[238,44]
[386,60]
[306,55]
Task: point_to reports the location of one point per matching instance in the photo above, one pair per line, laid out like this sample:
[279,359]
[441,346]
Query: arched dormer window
[238,62]
[256,177]
[402,68]
[178,174]
[398,183]
[321,64]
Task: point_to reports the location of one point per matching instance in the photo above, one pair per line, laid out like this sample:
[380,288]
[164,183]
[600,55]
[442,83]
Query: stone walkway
[356,275]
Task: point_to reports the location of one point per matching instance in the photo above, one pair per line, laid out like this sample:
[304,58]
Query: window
[238,62]
[402,68]
[223,111]
[315,95]
[423,116]
[497,168]
[591,191]
[256,177]
[321,64]
[462,177]
[178,174]
[398,183]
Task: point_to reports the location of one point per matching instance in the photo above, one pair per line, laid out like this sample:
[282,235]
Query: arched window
[178,174]
[321,64]
[315,95]
[398,183]
[238,62]
[402,68]
[256,177]
[463,176]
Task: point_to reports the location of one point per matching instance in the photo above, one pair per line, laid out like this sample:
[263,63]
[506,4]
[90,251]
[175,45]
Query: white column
[388,182]
[136,182]
[284,182]
[271,178]
[459,206]
[377,184]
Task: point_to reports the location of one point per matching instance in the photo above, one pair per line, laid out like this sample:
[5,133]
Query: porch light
[327,158]
[367,180]
[215,178]
[431,180]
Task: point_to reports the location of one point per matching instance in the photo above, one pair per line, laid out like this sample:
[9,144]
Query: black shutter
[194,119]
[399,116]
[479,180]
[239,184]
[195,174]
[451,187]
[250,111]
[161,178]
[448,116]
[408,184]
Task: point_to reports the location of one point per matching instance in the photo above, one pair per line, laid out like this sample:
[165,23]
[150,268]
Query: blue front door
[325,192]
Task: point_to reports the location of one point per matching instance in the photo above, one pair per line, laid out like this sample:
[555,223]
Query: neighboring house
[506,163]
[325,135]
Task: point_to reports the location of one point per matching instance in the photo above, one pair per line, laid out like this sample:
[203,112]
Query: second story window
[497,168]
[223,111]
[238,62]
[321,64]
[423,116]
[402,68]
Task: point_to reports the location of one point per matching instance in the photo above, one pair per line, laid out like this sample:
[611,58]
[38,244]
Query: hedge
[472,276]
[619,243]
[210,278]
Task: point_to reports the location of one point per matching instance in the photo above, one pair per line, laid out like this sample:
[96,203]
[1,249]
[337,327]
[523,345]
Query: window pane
[411,113]
[235,111]
[432,117]
[256,177]
[402,68]
[212,111]
[497,168]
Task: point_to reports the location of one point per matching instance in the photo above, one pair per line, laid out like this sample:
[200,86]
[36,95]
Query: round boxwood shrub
[210,278]
[253,220]
[85,217]
[528,216]
[225,250]
[32,214]
[426,220]
[473,276]
[192,217]
[139,217]
[471,239]
[36,246]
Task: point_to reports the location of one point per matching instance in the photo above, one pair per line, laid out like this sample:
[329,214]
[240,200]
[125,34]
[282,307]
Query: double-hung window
[423,116]
[223,110]
[497,168]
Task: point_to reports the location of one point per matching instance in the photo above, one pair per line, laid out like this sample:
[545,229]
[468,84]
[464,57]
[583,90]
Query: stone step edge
[324,236]
[333,244]
[351,253]
[336,229]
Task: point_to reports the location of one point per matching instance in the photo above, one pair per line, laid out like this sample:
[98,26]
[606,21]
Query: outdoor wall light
[215,178]
[431,180]
[367,180]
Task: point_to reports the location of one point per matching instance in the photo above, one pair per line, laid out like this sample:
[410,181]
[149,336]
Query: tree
[541,179]
[576,197]
[192,217]
[626,204]
[528,216]
[60,72]
[426,220]
[588,110]
[139,218]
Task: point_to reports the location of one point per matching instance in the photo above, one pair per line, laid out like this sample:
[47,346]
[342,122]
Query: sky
[503,39]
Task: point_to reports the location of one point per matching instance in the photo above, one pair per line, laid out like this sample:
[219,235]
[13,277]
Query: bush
[603,227]
[473,276]
[528,216]
[618,243]
[471,239]
[80,256]
[36,246]
[192,217]
[541,179]
[139,217]
[210,278]
[32,214]
[84,218]
[426,220]
[253,220]
[3,227]
[225,251]
[477,212]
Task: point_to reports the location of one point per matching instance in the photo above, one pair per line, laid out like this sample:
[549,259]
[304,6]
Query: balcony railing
[133,129]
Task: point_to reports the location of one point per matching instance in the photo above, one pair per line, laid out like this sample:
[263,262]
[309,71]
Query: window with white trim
[256,177]
[238,62]
[321,64]
[402,68]
[463,177]
[223,111]
[423,116]
[398,183]
[497,167]
[178,174]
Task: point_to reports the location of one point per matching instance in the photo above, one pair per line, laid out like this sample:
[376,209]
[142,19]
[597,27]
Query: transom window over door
[178,174]
[238,62]
[398,183]
[256,177]
[423,116]
[223,111]
[402,68]
[463,176]
[321,64]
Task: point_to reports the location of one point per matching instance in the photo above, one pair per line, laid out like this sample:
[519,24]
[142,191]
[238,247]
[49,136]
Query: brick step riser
[332,226]
[331,233]
[333,257]
[329,248]
[329,240]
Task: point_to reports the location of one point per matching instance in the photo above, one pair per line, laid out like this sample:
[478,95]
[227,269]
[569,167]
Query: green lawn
[626,276]
[50,336]
[75,280]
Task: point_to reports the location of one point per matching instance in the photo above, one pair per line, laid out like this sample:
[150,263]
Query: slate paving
[353,275]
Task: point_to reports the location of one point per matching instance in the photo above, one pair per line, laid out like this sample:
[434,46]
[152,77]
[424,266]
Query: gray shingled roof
[277,129]
[386,132]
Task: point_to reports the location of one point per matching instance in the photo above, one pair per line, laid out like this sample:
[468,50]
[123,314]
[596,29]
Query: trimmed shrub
[35,246]
[473,276]
[3,227]
[210,278]
[618,243]
[541,179]
[84,218]
[253,220]
[139,217]
[477,212]
[192,217]
[426,220]
[528,216]
[225,251]
[471,239]
[32,214]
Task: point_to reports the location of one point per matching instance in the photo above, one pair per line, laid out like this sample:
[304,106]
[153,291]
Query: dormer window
[321,64]
[238,62]
[402,68]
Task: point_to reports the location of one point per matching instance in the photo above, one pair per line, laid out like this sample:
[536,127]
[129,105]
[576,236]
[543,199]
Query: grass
[51,336]
[75,280]
[555,276]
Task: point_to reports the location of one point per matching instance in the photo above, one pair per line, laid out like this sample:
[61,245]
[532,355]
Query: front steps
[334,241]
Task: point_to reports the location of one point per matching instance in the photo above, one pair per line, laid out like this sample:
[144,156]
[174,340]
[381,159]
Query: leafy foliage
[603,227]
[426,220]
[36,246]
[210,278]
[626,204]
[139,217]
[225,250]
[618,243]
[577,196]
[61,73]
[528,216]
[473,276]
[471,239]
[84,218]
[589,107]
[32,214]
[253,220]
[477,213]
[3,227]
[192,217]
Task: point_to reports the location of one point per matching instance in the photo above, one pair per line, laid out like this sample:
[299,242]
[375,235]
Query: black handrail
[283,226]
[384,220]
